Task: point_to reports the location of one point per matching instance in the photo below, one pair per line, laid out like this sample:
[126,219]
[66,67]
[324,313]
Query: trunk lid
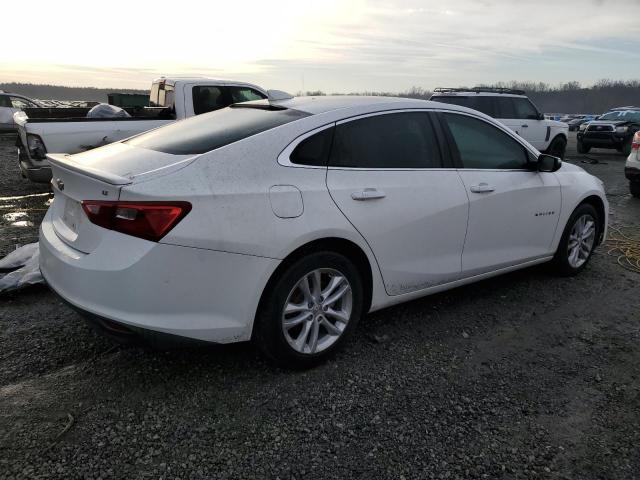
[98,174]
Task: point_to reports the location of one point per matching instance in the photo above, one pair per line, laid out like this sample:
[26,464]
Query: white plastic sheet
[26,261]
[104,110]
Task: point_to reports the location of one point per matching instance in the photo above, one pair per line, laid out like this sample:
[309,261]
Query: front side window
[209,98]
[207,132]
[481,145]
[245,94]
[525,109]
[397,140]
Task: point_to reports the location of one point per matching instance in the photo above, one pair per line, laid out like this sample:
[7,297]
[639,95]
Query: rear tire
[298,307]
[582,148]
[558,147]
[578,241]
[634,188]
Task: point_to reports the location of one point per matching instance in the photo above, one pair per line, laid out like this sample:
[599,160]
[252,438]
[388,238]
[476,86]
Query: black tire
[269,332]
[634,188]
[560,260]
[582,148]
[558,147]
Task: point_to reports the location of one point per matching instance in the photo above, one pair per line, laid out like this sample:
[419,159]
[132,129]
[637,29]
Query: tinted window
[482,103]
[524,109]
[4,101]
[314,150]
[244,94]
[398,140]
[481,145]
[505,107]
[213,130]
[209,98]
[21,103]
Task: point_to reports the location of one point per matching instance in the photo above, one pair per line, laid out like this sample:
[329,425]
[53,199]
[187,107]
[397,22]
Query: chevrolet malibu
[286,221]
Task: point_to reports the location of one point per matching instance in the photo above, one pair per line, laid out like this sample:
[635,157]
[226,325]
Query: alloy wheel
[581,240]
[317,311]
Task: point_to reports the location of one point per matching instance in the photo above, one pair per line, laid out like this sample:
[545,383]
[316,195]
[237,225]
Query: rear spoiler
[63,160]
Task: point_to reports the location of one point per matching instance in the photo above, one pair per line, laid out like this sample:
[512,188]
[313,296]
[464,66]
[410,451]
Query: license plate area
[72,215]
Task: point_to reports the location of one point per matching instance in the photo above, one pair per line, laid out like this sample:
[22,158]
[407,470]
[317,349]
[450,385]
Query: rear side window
[505,107]
[209,98]
[244,94]
[481,145]
[213,130]
[397,140]
[482,103]
[4,101]
[314,150]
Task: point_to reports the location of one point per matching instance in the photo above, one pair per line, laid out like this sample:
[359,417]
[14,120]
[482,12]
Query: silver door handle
[482,188]
[368,194]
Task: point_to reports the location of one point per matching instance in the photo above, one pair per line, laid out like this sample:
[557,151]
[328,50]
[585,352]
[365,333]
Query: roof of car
[322,104]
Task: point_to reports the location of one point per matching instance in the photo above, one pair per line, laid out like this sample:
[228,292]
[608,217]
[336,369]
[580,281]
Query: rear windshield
[209,131]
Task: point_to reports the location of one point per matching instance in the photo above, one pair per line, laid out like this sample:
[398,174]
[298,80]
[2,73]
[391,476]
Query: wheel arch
[345,247]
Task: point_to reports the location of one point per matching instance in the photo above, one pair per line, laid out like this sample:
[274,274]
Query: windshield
[209,131]
[623,115]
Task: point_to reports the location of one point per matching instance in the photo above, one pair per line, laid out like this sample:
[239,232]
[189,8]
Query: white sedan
[285,222]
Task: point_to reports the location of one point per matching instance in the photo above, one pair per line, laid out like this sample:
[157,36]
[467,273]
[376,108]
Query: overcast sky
[330,45]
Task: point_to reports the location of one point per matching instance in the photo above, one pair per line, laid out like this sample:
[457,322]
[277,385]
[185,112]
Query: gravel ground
[522,376]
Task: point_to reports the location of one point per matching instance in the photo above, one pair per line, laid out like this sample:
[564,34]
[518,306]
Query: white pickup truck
[68,130]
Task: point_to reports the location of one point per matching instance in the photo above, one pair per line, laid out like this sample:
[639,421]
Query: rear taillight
[635,145]
[148,220]
[37,150]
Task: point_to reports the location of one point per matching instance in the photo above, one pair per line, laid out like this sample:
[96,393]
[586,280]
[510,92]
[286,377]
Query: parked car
[11,103]
[632,167]
[513,109]
[68,130]
[286,221]
[614,129]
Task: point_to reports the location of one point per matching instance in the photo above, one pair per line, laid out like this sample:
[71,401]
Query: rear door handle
[482,188]
[368,194]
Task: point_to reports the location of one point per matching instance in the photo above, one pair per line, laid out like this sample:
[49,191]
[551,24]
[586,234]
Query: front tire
[310,310]
[578,241]
[582,148]
[634,188]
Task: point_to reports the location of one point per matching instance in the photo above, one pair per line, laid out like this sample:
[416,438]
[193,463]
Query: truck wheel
[558,147]
[582,148]
[634,188]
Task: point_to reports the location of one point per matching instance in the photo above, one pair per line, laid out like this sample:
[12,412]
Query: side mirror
[548,163]
[540,116]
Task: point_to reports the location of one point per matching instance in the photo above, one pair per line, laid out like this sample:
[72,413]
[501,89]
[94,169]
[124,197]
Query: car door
[513,208]
[387,177]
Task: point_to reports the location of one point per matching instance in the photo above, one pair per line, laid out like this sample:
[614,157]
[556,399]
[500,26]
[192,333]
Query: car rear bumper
[187,292]
[36,174]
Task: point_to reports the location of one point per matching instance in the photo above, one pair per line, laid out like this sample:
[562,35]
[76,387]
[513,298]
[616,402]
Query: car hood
[615,123]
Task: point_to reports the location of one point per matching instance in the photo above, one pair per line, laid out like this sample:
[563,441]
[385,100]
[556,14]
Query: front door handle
[525,126]
[368,194]
[482,188]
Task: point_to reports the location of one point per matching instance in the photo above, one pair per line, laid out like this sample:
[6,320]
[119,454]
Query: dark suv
[614,129]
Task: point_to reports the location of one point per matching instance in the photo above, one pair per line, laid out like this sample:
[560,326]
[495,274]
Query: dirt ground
[522,376]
